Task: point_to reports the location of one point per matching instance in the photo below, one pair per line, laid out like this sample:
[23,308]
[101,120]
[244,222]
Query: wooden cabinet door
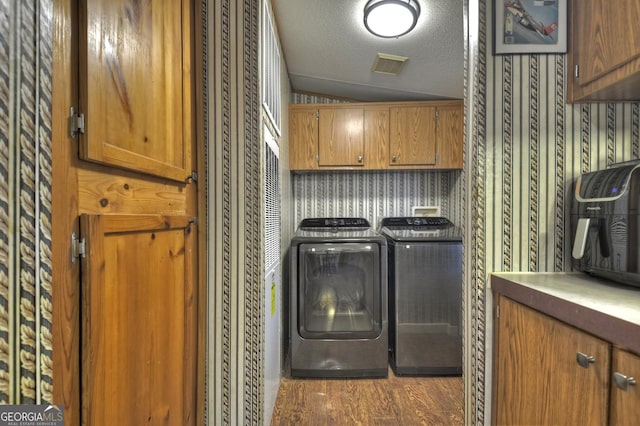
[537,378]
[412,136]
[135,85]
[376,137]
[449,136]
[138,328]
[341,137]
[625,397]
[303,139]
[605,52]
[603,41]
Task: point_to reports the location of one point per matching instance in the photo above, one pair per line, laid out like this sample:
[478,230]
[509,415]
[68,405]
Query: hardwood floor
[394,400]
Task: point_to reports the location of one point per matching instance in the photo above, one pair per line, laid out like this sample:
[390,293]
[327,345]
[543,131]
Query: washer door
[339,291]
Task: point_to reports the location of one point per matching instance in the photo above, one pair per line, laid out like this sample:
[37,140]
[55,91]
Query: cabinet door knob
[622,381]
[360,158]
[584,360]
[394,158]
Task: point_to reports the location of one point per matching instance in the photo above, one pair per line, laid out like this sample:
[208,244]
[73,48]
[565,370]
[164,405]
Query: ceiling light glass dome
[391,18]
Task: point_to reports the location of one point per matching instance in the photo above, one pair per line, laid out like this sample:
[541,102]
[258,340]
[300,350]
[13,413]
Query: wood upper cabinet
[538,376]
[303,138]
[413,136]
[341,137]
[604,51]
[135,86]
[625,388]
[449,137]
[376,136]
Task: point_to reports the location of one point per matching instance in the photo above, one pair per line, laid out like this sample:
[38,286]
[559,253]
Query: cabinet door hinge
[76,123]
[577,71]
[193,177]
[78,248]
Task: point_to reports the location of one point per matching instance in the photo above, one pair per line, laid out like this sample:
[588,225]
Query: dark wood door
[134,85]
[139,315]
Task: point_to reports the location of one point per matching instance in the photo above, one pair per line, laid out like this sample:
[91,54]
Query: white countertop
[604,308]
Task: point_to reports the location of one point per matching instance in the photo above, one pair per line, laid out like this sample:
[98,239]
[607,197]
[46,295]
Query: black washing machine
[338,303]
[425,295]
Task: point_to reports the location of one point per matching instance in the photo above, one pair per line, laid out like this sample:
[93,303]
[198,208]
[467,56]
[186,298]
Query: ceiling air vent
[388,64]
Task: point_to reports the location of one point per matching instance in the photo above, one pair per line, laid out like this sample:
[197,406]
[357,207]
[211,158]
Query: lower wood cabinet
[625,389]
[548,372]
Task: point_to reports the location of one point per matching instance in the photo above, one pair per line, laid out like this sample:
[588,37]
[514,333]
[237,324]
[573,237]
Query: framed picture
[529,26]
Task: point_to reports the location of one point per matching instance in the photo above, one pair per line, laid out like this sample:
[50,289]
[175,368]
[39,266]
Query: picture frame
[529,26]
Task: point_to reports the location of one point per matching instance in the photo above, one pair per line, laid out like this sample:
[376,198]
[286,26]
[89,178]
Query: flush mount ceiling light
[391,18]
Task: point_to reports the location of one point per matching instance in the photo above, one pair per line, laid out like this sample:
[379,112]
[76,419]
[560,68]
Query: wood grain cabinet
[341,137]
[604,51]
[549,372]
[625,389]
[376,136]
[545,371]
[413,135]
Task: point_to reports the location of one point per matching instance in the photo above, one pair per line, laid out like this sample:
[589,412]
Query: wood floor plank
[387,402]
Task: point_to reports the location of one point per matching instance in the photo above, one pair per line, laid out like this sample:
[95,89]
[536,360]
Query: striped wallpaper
[25,202]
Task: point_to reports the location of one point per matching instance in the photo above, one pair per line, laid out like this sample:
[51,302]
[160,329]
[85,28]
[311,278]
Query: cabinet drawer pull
[584,360]
[622,381]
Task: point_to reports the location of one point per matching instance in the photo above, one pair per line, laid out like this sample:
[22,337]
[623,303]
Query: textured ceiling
[328,51]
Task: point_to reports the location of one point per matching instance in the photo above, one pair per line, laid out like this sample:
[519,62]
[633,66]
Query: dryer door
[339,294]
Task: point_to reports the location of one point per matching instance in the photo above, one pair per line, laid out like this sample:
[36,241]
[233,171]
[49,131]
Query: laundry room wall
[373,195]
